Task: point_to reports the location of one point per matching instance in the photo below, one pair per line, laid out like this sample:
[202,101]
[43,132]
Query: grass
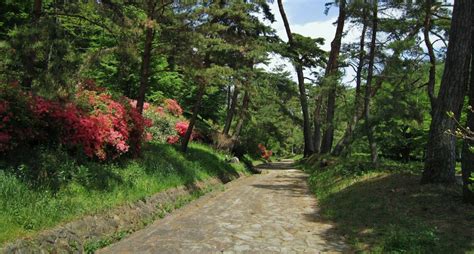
[385,209]
[27,209]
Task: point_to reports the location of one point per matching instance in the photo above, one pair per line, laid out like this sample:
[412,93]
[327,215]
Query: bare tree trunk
[441,148]
[368,88]
[467,154]
[192,122]
[37,10]
[145,69]
[317,124]
[242,115]
[346,139]
[308,146]
[30,61]
[331,71]
[229,95]
[308,142]
[431,54]
[231,111]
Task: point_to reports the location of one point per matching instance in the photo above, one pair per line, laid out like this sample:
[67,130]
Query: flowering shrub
[168,124]
[266,154]
[163,124]
[173,107]
[93,122]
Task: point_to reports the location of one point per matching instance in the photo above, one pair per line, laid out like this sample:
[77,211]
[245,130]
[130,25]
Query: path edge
[92,232]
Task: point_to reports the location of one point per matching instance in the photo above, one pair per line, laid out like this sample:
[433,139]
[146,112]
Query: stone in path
[269,213]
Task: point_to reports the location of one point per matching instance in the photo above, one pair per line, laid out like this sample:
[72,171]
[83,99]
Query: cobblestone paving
[269,213]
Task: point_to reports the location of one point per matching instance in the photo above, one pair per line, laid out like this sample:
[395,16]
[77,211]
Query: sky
[308,18]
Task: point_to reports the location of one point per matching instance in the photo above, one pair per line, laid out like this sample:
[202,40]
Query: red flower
[266,154]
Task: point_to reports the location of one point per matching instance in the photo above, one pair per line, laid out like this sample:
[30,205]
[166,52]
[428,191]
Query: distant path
[268,213]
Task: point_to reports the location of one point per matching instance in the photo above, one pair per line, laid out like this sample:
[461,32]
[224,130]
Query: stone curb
[72,237]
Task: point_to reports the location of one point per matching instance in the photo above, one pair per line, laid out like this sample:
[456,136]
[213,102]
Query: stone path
[269,213]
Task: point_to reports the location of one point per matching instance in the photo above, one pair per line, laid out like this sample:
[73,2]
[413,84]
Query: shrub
[173,107]
[16,118]
[92,122]
[163,124]
[167,124]
[266,154]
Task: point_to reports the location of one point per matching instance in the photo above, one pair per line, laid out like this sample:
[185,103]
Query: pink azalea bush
[173,107]
[93,122]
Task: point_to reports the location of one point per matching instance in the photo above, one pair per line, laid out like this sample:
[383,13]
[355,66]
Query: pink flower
[181,128]
[173,107]
[160,110]
[122,147]
[148,137]
[133,103]
[172,140]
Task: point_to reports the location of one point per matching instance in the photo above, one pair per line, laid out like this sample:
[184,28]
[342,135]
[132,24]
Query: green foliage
[274,110]
[74,188]
[163,126]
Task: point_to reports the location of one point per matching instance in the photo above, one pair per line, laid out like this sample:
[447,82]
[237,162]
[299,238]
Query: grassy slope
[386,210]
[24,211]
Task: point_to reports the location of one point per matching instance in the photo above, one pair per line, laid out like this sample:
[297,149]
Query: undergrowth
[385,209]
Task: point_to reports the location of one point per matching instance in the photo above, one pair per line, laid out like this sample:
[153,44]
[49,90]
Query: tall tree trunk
[467,154]
[242,115]
[31,58]
[331,72]
[431,54]
[37,10]
[346,139]
[145,68]
[229,95]
[317,124]
[308,142]
[368,88]
[231,111]
[192,122]
[441,148]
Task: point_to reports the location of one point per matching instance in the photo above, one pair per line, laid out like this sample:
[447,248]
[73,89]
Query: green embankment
[385,209]
[94,187]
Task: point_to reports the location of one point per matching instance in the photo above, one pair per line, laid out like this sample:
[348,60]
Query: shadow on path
[282,165]
[395,214]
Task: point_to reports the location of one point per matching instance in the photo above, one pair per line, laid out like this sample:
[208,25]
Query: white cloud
[324,29]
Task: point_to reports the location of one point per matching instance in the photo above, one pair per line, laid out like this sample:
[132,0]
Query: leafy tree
[441,148]
[331,79]
[303,52]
